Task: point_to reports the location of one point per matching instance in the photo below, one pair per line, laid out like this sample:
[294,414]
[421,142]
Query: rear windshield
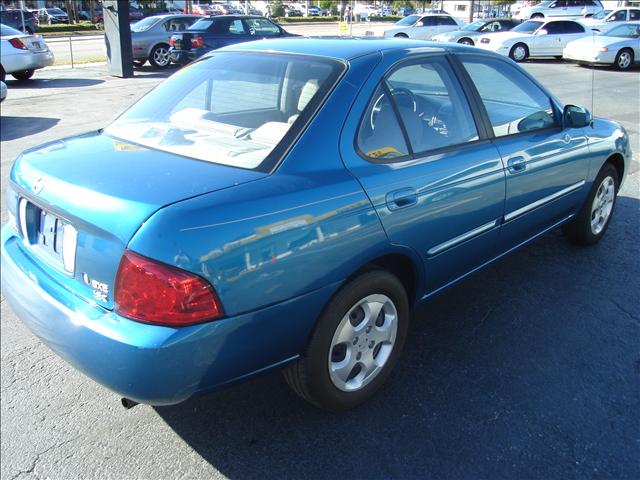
[241,109]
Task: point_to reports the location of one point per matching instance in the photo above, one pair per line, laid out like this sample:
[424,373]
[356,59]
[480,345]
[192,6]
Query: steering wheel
[401,95]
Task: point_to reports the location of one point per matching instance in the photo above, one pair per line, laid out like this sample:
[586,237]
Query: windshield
[527,27]
[601,14]
[144,24]
[407,21]
[6,30]
[630,30]
[475,26]
[55,11]
[232,108]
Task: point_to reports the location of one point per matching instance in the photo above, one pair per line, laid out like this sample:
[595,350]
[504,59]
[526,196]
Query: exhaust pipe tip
[128,403]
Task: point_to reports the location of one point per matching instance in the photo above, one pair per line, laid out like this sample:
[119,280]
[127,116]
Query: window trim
[555,104]
[467,95]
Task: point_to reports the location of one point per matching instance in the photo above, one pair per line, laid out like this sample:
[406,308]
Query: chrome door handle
[516,165]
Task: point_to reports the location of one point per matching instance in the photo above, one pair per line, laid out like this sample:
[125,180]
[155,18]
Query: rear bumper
[147,363]
[27,61]
[601,58]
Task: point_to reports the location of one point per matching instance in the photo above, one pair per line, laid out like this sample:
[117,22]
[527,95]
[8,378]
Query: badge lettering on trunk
[100,290]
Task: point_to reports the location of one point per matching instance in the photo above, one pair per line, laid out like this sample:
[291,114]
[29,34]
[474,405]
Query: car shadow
[52,83]
[12,128]
[504,375]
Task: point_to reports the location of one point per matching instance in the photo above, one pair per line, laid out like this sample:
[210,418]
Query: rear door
[436,183]
[445,23]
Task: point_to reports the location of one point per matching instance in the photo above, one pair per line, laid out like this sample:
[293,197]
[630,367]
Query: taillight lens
[17,43]
[152,292]
[197,41]
[172,42]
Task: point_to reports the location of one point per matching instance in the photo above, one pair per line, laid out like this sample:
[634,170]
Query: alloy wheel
[602,205]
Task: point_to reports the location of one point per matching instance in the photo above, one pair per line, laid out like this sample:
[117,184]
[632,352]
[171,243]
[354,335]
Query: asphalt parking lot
[530,369]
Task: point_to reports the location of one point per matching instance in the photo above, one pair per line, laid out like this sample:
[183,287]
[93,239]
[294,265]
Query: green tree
[277,9]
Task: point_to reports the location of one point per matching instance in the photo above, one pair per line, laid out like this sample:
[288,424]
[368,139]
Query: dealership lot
[529,369]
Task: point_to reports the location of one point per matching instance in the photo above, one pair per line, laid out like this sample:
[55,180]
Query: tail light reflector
[172,42]
[153,292]
[17,43]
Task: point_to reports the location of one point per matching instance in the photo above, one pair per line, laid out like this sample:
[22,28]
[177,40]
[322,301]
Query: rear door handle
[516,165]
[405,197]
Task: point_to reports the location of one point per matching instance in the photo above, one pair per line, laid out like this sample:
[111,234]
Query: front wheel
[537,16]
[401,35]
[624,59]
[519,52]
[592,221]
[355,345]
[160,56]
[466,41]
[24,75]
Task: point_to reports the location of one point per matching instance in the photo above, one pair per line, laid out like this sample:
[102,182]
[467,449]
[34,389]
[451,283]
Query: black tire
[624,59]
[24,75]
[309,377]
[536,16]
[466,41]
[401,35]
[513,54]
[154,56]
[139,63]
[579,231]
[558,57]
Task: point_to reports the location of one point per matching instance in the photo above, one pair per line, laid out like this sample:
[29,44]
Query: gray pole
[117,37]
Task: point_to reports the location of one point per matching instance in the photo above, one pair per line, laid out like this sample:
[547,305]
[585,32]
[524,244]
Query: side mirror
[542,32]
[575,117]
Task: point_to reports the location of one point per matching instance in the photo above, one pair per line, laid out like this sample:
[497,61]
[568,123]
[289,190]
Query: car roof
[339,48]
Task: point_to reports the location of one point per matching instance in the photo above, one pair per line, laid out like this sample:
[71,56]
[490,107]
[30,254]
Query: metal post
[71,50]
[117,36]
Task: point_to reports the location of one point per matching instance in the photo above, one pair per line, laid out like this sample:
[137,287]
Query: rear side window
[446,21]
[526,107]
[428,22]
[634,15]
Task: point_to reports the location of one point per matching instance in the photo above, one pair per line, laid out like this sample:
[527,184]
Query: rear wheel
[624,59]
[519,52]
[355,345]
[401,35]
[160,57]
[466,41]
[24,75]
[592,221]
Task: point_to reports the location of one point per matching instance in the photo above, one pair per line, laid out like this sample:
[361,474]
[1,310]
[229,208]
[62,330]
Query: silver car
[619,46]
[22,54]
[150,37]
[467,33]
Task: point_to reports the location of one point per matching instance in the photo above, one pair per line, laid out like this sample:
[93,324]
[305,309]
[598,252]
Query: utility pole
[472,2]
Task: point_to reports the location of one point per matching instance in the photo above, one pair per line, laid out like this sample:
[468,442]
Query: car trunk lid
[105,198]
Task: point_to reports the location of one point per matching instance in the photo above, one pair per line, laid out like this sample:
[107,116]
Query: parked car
[214,32]
[619,46]
[471,31]
[150,37]
[52,15]
[421,27]
[554,9]
[313,11]
[135,14]
[22,54]
[3,91]
[292,11]
[258,211]
[598,16]
[405,11]
[14,19]
[535,38]
[615,16]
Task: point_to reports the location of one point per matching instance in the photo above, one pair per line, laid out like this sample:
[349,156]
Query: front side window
[619,16]
[261,27]
[231,108]
[628,31]
[526,107]
[529,26]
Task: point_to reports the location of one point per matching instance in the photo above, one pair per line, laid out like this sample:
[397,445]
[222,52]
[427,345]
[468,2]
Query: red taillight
[152,292]
[17,43]
[197,41]
[172,42]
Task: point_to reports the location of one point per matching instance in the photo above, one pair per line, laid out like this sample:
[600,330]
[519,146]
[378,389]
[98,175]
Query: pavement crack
[39,455]
[624,310]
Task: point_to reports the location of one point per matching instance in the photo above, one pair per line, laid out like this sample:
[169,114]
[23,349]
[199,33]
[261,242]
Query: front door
[436,183]
[546,165]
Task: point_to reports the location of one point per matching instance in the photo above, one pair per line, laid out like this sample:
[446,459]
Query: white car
[619,46]
[614,17]
[420,27]
[565,9]
[22,54]
[535,38]
[3,91]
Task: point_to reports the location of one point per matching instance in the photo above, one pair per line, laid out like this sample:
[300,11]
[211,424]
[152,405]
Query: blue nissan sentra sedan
[284,204]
